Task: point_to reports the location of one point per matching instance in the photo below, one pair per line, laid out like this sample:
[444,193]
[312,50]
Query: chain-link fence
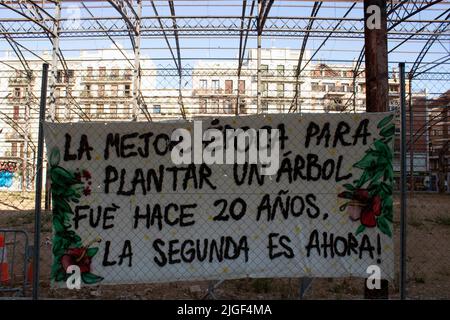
[428,212]
[89,92]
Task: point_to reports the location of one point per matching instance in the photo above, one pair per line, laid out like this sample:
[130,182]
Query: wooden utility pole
[377,85]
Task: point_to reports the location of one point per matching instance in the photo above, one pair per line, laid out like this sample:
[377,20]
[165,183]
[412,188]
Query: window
[128,74]
[280,90]
[330,87]
[115,73]
[280,70]
[87,109]
[88,90]
[14,149]
[89,71]
[16,92]
[264,106]
[264,69]
[127,90]
[58,93]
[204,84]
[203,105]
[69,76]
[241,86]
[228,106]
[394,88]
[59,76]
[101,90]
[102,71]
[228,86]
[215,85]
[16,113]
[157,108]
[345,87]
[100,110]
[114,90]
[264,89]
[113,110]
[215,107]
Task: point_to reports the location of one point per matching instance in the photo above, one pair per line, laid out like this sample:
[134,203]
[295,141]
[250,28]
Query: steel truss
[42,19]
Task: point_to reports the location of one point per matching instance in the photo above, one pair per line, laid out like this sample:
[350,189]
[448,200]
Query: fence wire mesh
[89,92]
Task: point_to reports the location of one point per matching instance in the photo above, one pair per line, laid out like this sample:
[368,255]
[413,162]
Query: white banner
[124,212]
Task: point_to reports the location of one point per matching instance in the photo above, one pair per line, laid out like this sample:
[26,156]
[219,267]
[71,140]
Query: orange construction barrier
[4,270]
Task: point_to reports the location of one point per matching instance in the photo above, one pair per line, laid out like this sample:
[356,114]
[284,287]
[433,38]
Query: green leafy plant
[370,196]
[67,187]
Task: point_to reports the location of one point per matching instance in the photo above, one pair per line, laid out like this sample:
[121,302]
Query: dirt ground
[427,251]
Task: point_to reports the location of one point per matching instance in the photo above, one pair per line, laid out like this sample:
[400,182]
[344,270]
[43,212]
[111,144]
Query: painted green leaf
[362,180]
[90,278]
[360,229]
[388,202]
[91,252]
[388,131]
[62,176]
[387,214]
[61,205]
[349,186]
[366,162]
[389,173]
[387,189]
[60,275]
[346,195]
[58,225]
[383,225]
[54,157]
[377,174]
[387,141]
[385,121]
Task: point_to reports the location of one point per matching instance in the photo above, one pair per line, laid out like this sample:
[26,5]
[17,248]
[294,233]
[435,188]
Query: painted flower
[362,206]
[87,191]
[77,176]
[370,212]
[77,256]
[86,175]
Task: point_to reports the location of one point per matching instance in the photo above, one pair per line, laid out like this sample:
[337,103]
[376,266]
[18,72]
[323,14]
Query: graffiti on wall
[7,172]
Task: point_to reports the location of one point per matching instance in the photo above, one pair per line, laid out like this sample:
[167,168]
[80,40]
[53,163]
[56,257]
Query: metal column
[402,182]
[40,153]
[137,63]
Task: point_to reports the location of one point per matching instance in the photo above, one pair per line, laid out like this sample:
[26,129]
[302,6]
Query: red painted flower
[78,176]
[362,207]
[77,256]
[86,174]
[370,212]
[87,191]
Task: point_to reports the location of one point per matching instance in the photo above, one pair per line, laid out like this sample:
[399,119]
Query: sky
[222,48]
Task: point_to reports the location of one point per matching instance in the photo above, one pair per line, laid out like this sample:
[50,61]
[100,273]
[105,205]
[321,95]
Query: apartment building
[439,148]
[98,86]
[95,86]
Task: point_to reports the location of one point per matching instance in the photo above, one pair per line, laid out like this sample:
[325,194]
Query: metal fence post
[402,182]
[40,152]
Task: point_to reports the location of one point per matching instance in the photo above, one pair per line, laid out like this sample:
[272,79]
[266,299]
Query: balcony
[13,137]
[107,78]
[19,81]
[278,76]
[212,92]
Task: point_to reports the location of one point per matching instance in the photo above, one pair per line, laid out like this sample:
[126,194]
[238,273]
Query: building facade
[99,86]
